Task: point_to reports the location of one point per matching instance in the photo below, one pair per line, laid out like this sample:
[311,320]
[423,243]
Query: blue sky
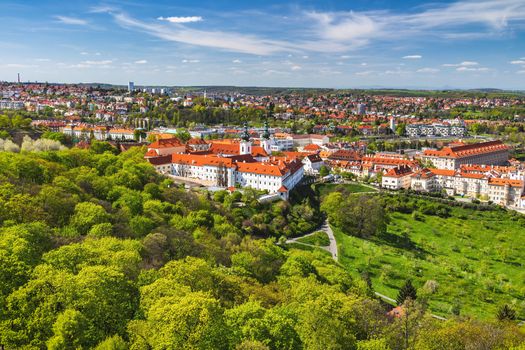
[339,44]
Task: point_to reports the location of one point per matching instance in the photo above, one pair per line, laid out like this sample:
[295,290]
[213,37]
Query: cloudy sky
[359,43]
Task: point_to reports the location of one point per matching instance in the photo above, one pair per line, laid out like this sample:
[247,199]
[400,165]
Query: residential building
[489,153]
[397,178]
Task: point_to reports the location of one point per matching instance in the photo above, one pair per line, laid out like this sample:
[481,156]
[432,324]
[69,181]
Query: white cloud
[364,73]
[236,61]
[19,65]
[472,69]
[190,61]
[462,64]
[71,20]
[189,19]
[349,27]
[42,59]
[296,68]
[230,41]
[83,53]
[305,57]
[493,13]
[427,70]
[340,31]
[141,62]
[521,61]
[97,63]
[412,57]
[521,72]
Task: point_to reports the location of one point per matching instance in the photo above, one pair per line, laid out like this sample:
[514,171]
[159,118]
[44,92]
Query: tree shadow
[402,242]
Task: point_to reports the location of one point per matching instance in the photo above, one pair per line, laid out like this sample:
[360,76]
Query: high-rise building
[131,86]
[361,109]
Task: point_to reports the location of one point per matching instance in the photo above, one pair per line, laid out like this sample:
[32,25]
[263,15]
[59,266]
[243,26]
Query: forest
[99,251]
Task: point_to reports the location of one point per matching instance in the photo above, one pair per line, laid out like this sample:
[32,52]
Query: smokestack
[18,78]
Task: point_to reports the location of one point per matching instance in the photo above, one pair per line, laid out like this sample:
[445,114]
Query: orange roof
[471,175]
[282,189]
[258,151]
[424,174]
[201,160]
[196,141]
[225,148]
[312,147]
[151,153]
[399,171]
[502,182]
[443,172]
[262,168]
[468,150]
[166,143]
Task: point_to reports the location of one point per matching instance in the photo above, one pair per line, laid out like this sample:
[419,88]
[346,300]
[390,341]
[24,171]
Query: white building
[397,178]
[312,164]
[490,153]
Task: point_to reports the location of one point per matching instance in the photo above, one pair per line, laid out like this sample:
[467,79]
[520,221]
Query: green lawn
[308,248]
[324,189]
[319,239]
[476,257]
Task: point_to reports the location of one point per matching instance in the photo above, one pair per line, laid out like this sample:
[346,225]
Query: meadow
[475,257]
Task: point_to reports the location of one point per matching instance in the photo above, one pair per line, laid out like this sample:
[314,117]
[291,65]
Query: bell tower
[265,139]
[245,144]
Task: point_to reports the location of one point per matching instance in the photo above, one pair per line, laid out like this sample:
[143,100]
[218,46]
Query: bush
[418,216]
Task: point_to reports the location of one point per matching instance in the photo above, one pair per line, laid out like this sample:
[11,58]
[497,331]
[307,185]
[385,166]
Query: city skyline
[417,44]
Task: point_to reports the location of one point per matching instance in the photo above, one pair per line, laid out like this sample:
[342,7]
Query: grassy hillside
[476,258]
[324,189]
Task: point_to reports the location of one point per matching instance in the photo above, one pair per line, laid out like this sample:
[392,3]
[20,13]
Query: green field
[319,239]
[476,258]
[324,189]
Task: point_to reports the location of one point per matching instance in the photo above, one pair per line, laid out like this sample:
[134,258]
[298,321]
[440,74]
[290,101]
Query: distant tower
[18,78]
[205,94]
[392,123]
[265,139]
[131,86]
[361,109]
[246,144]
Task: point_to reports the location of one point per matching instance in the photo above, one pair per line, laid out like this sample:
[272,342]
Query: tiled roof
[468,150]
[196,141]
[443,172]
[162,160]
[424,174]
[399,171]
[166,143]
[503,182]
[201,160]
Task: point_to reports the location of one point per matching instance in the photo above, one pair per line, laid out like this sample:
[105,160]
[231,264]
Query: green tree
[407,291]
[506,313]
[87,215]
[69,331]
[324,171]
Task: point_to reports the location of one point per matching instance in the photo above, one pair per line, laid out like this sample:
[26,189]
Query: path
[332,248]
[325,227]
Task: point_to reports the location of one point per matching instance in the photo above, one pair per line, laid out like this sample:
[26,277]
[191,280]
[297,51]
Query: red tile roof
[166,143]
[468,150]
[503,182]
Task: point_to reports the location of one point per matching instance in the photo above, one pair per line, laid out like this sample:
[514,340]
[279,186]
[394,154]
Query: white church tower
[245,144]
[392,123]
[266,143]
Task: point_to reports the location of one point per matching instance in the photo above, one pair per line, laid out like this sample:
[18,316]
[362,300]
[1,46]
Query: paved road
[325,227]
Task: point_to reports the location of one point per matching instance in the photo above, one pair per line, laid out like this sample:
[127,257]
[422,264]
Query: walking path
[332,248]
[325,227]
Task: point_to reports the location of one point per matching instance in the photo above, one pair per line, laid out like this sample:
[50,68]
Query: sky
[329,44]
